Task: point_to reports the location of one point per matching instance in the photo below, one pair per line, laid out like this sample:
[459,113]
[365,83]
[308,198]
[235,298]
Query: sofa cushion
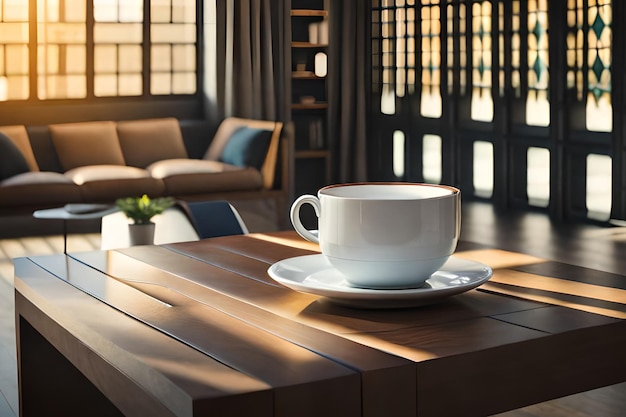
[38,189]
[12,162]
[231,124]
[146,141]
[87,143]
[171,167]
[19,136]
[109,182]
[247,147]
[192,176]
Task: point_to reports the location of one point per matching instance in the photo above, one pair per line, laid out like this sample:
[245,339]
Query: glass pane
[105,58]
[61,86]
[119,40]
[431,158]
[599,108]
[16,60]
[482,102]
[161,58]
[184,83]
[61,49]
[398,153]
[537,104]
[130,58]
[387,62]
[538,177]
[105,11]
[388,100]
[76,59]
[184,57]
[431,61]
[117,33]
[75,10]
[62,33]
[161,83]
[105,85]
[483,169]
[599,180]
[173,33]
[14,10]
[13,32]
[183,11]
[161,10]
[589,42]
[14,87]
[130,84]
[131,10]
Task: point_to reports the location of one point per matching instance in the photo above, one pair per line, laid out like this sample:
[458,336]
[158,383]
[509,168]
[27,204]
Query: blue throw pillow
[12,161]
[247,147]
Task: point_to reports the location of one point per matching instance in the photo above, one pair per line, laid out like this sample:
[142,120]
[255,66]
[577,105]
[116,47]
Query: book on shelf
[316,134]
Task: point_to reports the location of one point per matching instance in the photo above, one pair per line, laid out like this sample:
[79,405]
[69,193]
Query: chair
[214,218]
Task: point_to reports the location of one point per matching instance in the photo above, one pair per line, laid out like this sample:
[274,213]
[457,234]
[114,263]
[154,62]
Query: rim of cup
[448,190]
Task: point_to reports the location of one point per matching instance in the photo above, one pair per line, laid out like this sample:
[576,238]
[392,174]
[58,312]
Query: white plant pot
[141,234]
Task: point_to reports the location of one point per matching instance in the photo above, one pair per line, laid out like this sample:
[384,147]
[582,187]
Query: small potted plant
[141,210]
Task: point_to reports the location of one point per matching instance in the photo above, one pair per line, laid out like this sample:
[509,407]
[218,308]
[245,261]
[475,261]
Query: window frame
[36,111]
[569,143]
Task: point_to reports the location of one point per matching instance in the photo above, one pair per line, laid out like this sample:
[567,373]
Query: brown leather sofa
[244,161]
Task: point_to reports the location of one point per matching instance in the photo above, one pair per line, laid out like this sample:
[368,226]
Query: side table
[75,212]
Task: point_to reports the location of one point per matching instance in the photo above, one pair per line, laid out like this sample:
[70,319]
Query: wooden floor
[595,247]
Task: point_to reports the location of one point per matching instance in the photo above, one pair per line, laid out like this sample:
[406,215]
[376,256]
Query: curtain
[252,53]
[346,92]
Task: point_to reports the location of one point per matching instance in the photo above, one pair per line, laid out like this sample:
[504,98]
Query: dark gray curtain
[253,51]
[346,92]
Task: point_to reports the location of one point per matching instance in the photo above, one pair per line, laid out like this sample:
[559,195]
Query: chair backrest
[214,218]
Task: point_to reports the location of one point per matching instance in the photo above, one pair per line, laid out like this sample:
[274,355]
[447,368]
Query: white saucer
[315,275]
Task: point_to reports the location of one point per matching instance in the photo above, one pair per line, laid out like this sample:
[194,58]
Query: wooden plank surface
[388,382]
[216,296]
[296,375]
[118,355]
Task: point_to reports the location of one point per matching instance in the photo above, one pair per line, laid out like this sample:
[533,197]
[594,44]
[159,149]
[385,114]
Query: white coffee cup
[384,235]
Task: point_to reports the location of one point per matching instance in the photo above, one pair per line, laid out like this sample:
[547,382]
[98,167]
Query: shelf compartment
[310,75]
[314,106]
[309,13]
[300,44]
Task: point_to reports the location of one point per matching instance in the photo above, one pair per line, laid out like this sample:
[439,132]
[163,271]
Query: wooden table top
[201,327]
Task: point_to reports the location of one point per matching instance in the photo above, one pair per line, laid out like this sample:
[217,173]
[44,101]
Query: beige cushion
[146,141]
[171,167]
[88,143]
[82,175]
[191,176]
[38,189]
[108,182]
[19,136]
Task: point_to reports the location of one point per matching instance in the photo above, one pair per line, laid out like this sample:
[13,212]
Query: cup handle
[294,214]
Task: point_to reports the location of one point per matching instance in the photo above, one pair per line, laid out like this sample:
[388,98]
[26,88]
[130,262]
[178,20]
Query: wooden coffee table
[199,328]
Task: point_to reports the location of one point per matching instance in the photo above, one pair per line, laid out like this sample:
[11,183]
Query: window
[489,87]
[14,38]
[97,48]
[117,47]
